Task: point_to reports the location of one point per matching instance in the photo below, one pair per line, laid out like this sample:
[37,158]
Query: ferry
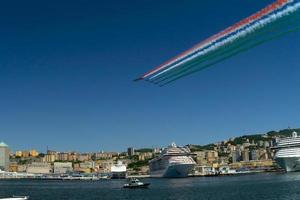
[118,171]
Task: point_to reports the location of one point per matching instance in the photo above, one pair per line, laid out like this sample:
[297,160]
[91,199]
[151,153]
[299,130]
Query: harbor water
[268,186]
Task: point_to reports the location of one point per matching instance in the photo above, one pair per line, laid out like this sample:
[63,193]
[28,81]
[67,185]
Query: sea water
[267,186]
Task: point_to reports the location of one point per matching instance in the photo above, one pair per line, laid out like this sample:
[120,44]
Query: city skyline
[29,149]
[66,76]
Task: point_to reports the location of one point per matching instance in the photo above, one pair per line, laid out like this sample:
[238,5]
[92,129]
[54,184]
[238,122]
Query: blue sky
[66,72]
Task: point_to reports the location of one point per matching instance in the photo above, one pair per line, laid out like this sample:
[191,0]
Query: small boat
[135,183]
[16,198]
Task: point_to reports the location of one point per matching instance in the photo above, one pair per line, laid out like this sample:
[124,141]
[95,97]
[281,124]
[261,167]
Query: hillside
[254,137]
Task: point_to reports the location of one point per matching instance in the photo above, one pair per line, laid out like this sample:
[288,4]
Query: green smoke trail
[289,20]
[222,50]
[230,54]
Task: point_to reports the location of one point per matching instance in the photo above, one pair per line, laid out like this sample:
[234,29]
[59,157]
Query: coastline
[98,178]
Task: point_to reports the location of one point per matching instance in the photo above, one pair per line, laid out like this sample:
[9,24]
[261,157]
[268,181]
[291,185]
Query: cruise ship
[288,153]
[173,162]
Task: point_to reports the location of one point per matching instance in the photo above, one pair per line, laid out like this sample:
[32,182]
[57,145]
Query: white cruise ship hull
[288,158]
[288,153]
[173,171]
[289,164]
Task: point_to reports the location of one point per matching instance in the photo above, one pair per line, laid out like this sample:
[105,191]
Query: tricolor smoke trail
[276,20]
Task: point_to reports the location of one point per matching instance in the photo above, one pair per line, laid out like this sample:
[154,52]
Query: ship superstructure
[118,171]
[288,153]
[172,162]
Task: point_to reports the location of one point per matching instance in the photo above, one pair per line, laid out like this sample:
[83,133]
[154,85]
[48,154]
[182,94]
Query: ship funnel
[173,144]
[295,134]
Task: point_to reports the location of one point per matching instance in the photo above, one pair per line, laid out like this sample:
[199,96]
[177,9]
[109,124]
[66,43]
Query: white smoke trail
[218,36]
[257,25]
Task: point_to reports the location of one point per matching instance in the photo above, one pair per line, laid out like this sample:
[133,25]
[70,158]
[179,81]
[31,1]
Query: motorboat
[16,198]
[135,183]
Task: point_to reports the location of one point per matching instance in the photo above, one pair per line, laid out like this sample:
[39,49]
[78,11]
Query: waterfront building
[101,156]
[13,167]
[50,158]
[105,165]
[51,152]
[130,151]
[222,160]
[25,154]
[245,155]
[76,167]
[39,168]
[211,156]
[141,157]
[254,164]
[123,155]
[266,144]
[87,164]
[263,154]
[231,148]
[33,153]
[73,156]
[63,167]
[236,156]
[22,168]
[63,156]
[4,156]
[105,155]
[85,170]
[200,156]
[239,147]
[254,154]
[246,144]
[145,155]
[156,150]
[18,153]
[84,157]
[85,167]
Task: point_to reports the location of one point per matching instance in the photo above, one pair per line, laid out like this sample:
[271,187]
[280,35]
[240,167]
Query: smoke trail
[223,50]
[232,53]
[212,55]
[262,13]
[243,33]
